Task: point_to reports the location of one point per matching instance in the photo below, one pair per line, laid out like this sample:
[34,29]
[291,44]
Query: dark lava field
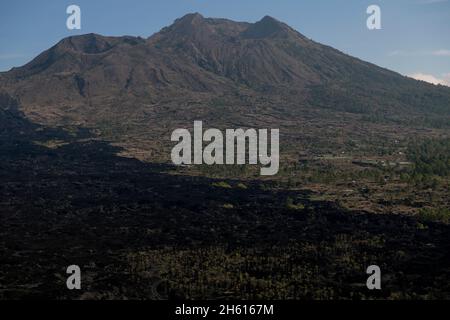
[140,231]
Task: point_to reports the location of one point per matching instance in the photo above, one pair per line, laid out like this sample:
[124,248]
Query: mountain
[364,170]
[214,69]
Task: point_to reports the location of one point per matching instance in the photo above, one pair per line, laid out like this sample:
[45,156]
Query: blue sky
[414,39]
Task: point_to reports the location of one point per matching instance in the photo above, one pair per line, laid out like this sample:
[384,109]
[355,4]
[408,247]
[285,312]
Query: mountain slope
[91,79]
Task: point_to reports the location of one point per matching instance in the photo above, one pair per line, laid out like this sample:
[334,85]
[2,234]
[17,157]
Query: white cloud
[445,80]
[404,53]
[442,53]
[432,1]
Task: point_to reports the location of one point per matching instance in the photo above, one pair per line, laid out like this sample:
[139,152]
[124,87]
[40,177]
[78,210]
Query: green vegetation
[328,269]
[241,186]
[221,184]
[293,206]
[431,157]
[435,214]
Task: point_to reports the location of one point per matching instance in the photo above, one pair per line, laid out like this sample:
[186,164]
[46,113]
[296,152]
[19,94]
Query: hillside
[91,79]
[86,176]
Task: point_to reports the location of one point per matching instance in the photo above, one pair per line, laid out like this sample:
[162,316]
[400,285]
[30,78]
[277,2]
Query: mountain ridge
[202,58]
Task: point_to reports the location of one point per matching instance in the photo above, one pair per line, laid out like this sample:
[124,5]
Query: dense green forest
[431,157]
